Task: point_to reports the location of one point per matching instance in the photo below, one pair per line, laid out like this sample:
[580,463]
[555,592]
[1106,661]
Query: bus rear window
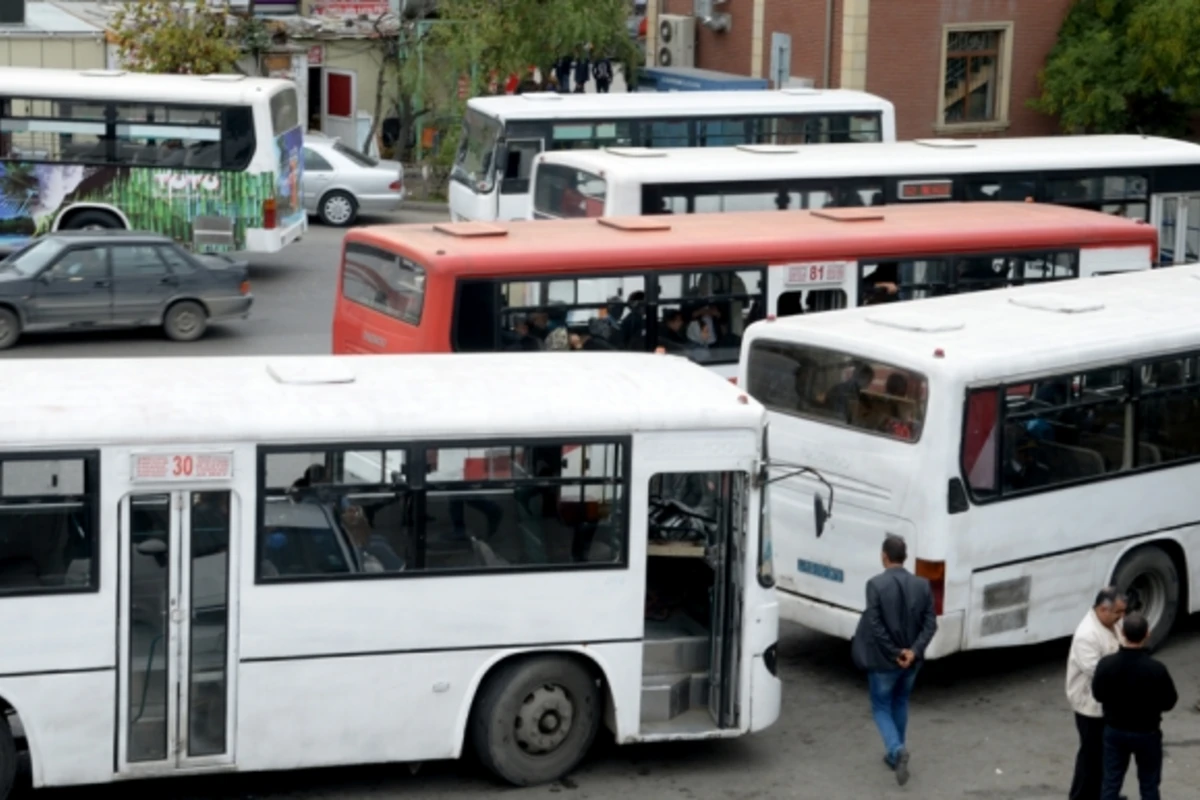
[564,192]
[839,388]
[285,112]
[384,282]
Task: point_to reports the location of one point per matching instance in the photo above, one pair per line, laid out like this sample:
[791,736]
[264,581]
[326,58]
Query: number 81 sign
[816,272]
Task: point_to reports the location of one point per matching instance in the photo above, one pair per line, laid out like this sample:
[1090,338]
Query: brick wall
[904,53]
[804,20]
[727,51]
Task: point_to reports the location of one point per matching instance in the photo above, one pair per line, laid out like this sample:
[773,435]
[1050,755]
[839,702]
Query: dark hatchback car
[77,280]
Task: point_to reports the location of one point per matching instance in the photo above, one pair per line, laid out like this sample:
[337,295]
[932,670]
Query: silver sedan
[340,182]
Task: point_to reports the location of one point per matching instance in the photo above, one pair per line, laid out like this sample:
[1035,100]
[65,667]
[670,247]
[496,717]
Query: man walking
[1135,691]
[896,627]
[1097,636]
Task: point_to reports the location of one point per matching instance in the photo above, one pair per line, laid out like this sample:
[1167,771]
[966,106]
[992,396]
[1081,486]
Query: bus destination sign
[925,190]
[817,272]
[169,467]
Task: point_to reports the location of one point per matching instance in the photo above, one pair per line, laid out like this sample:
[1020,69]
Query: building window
[975,75]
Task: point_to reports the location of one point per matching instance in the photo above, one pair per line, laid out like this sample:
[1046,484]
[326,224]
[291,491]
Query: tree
[1124,66]
[168,36]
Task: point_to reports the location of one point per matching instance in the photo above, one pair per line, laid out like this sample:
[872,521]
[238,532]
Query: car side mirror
[46,277]
[820,515]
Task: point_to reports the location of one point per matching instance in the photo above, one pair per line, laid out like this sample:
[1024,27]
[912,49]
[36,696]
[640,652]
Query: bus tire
[10,328]
[8,758]
[93,220]
[1151,583]
[536,718]
[338,209]
[185,321]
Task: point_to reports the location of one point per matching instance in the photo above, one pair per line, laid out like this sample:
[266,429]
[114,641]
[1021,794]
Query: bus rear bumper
[842,622]
[272,240]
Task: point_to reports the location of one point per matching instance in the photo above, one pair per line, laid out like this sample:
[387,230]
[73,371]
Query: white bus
[214,161]
[1147,178]
[246,564]
[502,135]
[1032,445]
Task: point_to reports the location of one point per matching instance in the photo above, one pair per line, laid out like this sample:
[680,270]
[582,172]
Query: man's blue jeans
[890,690]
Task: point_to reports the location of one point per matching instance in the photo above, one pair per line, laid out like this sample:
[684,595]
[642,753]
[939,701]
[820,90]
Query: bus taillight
[269,216]
[935,573]
[733,380]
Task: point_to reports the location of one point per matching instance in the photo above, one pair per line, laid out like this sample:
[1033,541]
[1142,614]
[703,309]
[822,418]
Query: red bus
[691,283]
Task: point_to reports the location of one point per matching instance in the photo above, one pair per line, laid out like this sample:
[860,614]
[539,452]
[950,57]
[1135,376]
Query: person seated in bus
[703,330]
[844,399]
[1025,467]
[899,422]
[518,338]
[372,551]
[609,325]
[974,274]
[882,285]
[633,324]
[549,325]
[671,333]
[589,338]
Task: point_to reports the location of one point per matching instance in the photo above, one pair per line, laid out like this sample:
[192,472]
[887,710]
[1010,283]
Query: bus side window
[475,316]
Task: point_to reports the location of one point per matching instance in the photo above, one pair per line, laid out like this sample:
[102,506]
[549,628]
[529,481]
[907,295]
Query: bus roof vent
[309,372]
[849,214]
[768,149]
[103,73]
[1057,303]
[470,230]
[223,78]
[651,223]
[948,144]
[906,319]
[636,152]
[540,97]
[801,90]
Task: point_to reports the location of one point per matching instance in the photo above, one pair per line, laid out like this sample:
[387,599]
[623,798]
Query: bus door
[177,584]
[1178,219]
[514,168]
[727,551]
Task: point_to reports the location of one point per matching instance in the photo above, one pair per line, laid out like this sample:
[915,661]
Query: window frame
[1133,395]
[91,479]
[1024,254]
[1004,60]
[416,453]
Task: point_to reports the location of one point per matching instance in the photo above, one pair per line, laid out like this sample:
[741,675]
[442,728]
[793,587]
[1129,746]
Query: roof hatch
[223,78]
[636,152]
[800,90]
[849,214]
[470,230]
[948,144]
[102,73]
[1057,303]
[651,223]
[907,319]
[541,97]
[768,149]
[309,373]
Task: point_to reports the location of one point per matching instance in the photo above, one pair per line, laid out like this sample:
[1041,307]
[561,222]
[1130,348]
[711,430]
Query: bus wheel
[185,321]
[93,221]
[1151,582]
[535,719]
[10,330]
[8,758]
[338,209]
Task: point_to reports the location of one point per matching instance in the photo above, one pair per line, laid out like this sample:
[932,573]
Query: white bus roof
[551,105]
[92,402]
[1000,334]
[90,84]
[926,157]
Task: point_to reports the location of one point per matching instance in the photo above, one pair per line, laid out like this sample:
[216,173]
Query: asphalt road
[985,726]
[292,312]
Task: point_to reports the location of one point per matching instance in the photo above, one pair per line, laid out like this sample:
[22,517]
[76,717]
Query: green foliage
[1124,66]
[167,36]
[492,39]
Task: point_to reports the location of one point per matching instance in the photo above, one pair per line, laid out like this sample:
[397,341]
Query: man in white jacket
[1098,635]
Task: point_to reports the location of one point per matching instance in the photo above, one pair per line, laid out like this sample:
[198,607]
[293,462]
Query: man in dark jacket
[896,627]
[1135,691]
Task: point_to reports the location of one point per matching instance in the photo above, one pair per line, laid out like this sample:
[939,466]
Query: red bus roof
[733,238]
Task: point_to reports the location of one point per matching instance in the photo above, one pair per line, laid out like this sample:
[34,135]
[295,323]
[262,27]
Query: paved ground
[987,726]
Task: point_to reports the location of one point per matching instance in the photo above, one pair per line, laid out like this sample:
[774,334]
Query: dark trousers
[1089,761]
[1145,748]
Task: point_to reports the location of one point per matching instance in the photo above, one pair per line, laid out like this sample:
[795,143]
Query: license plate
[821,571]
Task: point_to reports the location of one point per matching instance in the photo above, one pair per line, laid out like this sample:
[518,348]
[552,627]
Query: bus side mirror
[820,515]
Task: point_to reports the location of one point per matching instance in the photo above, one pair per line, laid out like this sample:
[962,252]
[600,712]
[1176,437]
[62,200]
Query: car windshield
[362,159]
[33,258]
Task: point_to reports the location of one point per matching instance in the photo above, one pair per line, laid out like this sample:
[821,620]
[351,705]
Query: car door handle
[170,281]
[102,284]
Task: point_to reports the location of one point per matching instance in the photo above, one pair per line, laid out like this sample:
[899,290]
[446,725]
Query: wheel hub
[337,209]
[1148,596]
[544,720]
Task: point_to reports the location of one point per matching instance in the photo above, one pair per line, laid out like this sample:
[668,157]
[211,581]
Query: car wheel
[185,321]
[10,328]
[93,221]
[338,209]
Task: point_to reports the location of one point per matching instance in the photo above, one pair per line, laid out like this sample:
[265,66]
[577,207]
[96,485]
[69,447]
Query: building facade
[952,67]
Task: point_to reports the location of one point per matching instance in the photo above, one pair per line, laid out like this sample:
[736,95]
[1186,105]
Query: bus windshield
[474,165]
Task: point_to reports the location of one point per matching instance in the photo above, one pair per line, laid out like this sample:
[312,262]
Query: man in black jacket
[1135,691]
[897,626]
